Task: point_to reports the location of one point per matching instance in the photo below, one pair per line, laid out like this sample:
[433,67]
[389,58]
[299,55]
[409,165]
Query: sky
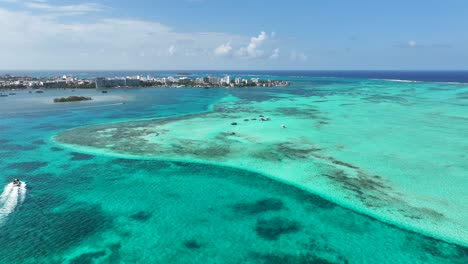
[234,35]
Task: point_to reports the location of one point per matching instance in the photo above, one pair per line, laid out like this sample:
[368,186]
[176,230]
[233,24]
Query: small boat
[12,94]
[103,91]
[3,95]
[39,91]
[16,182]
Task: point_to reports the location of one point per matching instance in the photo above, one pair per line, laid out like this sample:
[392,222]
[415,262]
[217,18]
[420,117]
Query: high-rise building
[213,80]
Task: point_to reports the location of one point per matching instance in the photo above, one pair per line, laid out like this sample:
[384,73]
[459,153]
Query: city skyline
[203,34]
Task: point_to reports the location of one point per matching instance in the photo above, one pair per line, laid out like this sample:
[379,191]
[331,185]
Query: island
[72,99]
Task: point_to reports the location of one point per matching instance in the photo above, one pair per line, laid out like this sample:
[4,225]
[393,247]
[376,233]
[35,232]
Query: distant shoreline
[69,82]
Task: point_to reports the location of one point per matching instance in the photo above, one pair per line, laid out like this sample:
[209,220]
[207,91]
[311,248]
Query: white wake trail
[10,198]
[5,193]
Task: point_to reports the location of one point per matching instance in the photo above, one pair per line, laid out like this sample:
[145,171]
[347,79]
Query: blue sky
[255,34]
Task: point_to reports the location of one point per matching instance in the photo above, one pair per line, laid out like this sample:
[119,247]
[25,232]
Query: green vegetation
[72,99]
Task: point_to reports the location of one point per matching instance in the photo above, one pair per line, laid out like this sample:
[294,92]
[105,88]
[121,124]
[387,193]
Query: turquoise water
[96,208]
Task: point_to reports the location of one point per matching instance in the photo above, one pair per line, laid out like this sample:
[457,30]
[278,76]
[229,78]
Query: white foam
[11,197]
[9,204]
[6,192]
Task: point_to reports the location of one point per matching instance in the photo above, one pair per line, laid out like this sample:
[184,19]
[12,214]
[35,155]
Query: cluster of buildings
[207,81]
[65,81]
[116,82]
[134,81]
[238,82]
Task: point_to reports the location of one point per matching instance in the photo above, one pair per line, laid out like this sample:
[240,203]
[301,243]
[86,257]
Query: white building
[213,80]
[199,81]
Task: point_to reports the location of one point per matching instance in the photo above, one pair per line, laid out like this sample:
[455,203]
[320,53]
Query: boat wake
[12,197]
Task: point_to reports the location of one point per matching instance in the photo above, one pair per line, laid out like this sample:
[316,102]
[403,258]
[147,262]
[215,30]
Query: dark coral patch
[39,142]
[283,151]
[342,163]
[192,244]
[273,228]
[27,166]
[436,248]
[200,149]
[88,257]
[80,156]
[298,112]
[17,147]
[142,216]
[114,256]
[260,206]
[54,232]
[371,190]
[49,127]
[282,258]
[56,149]
[295,152]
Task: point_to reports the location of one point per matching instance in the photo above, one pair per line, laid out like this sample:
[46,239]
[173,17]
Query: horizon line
[234,70]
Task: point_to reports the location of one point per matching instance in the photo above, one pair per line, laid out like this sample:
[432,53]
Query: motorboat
[16,182]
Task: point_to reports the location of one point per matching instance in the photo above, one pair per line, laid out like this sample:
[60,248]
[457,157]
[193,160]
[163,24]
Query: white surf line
[9,205]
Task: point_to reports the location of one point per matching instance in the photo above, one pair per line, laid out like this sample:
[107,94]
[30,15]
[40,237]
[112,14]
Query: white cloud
[171,50]
[297,56]
[38,40]
[223,50]
[251,50]
[35,40]
[275,54]
[43,5]
[79,8]
[412,44]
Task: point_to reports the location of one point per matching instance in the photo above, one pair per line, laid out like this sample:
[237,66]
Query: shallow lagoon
[86,205]
[395,151]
